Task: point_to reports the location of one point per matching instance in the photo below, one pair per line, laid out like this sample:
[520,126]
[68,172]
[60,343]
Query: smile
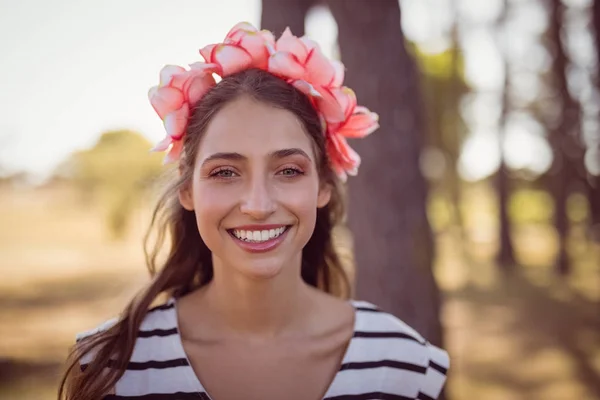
[257,239]
[258,236]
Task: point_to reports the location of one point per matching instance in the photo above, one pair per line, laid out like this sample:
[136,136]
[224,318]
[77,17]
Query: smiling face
[255,189]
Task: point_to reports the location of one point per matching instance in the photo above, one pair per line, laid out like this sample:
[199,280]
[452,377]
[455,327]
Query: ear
[324,196]
[185,194]
[185,198]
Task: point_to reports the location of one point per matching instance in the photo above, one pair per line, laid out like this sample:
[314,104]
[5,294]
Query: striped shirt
[386,359]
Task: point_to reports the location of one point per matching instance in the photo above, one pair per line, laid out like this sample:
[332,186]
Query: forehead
[253,128]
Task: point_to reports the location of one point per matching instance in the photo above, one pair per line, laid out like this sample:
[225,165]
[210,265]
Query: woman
[256,293]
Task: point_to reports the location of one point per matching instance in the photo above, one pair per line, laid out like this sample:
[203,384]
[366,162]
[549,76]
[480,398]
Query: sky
[73,69]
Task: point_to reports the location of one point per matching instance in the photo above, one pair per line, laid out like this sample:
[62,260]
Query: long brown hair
[188,264]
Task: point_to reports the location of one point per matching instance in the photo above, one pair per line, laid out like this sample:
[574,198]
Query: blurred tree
[116,171]
[565,136]
[594,194]
[443,87]
[506,254]
[387,200]
[276,15]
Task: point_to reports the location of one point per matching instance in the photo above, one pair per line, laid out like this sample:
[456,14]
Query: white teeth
[258,236]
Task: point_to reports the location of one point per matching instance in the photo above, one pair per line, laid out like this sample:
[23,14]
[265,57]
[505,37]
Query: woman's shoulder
[155,318]
[158,322]
[396,341]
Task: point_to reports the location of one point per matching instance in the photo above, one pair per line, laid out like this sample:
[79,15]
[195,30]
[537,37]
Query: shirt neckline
[195,380]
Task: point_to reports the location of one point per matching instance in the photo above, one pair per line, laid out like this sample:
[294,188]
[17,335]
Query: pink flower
[178,90]
[298,61]
[256,43]
[230,58]
[244,47]
[343,160]
[358,121]
[301,58]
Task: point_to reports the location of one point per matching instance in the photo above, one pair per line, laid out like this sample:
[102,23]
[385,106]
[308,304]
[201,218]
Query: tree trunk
[387,200]
[562,138]
[594,181]
[276,15]
[506,254]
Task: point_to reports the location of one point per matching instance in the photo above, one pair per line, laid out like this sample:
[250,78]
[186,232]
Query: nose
[258,202]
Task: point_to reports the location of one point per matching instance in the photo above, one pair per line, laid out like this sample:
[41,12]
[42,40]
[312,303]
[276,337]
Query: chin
[260,269]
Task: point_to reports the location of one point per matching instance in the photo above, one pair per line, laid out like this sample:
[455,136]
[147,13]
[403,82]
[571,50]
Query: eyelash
[217,174]
[296,171]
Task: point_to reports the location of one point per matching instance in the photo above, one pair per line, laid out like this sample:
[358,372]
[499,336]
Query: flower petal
[204,67]
[360,125]
[309,43]
[176,122]
[286,65]
[163,144]
[165,100]
[197,86]
[347,99]
[231,58]
[207,52]
[319,70]
[256,45]
[291,44]
[342,157]
[306,88]
[239,30]
[268,36]
[329,105]
[167,73]
[174,153]
[338,76]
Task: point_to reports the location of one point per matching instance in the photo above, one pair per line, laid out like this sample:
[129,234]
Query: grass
[527,335]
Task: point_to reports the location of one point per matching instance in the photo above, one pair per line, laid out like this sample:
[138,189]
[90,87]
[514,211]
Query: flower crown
[299,61]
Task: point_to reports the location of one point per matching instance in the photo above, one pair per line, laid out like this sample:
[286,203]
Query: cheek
[211,206]
[302,201]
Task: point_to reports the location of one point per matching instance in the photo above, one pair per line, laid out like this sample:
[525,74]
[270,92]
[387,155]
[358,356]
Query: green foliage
[443,86]
[117,172]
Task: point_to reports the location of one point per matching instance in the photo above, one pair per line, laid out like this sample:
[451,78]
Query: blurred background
[479,197]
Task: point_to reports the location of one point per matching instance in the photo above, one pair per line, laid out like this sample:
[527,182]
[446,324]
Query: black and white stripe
[386,359]
[162,396]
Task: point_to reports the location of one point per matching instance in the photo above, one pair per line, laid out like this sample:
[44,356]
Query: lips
[259,238]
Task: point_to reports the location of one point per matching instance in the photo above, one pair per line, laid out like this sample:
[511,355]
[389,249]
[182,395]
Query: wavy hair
[188,264]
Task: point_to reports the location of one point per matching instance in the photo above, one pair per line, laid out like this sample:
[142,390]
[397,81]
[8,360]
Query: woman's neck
[265,308]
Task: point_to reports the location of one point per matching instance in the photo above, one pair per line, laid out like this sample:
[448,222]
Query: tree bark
[506,254]
[276,15]
[387,200]
[562,138]
[594,181]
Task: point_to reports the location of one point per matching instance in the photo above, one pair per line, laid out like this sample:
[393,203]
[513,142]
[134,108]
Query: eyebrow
[283,153]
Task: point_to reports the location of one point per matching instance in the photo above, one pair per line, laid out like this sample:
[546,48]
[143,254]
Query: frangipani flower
[358,121]
[178,90]
[301,58]
[244,47]
[342,158]
[298,61]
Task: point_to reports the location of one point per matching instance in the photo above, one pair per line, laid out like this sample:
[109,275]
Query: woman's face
[255,189]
